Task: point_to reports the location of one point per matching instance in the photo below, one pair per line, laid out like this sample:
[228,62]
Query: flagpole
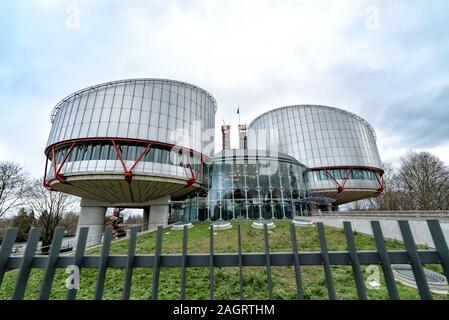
[238,112]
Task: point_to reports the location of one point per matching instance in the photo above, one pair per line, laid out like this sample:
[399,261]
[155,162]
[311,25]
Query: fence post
[79,255]
[184,262]
[326,262]
[53,256]
[268,262]
[418,272]
[296,261]
[211,262]
[102,266]
[157,263]
[25,267]
[440,244]
[239,245]
[5,251]
[129,263]
[385,260]
[354,260]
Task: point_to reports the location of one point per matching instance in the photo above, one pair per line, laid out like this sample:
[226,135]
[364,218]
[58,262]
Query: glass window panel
[138,90]
[135,115]
[124,115]
[108,100]
[127,102]
[115,115]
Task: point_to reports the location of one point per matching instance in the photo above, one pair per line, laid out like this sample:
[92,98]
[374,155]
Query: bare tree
[70,222]
[13,186]
[424,180]
[393,197]
[50,208]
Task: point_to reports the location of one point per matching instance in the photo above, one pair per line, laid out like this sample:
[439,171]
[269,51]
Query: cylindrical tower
[338,147]
[131,141]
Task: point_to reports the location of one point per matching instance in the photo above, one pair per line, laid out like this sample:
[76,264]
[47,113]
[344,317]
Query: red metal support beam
[65,157]
[119,155]
[333,179]
[57,169]
[54,160]
[380,181]
[348,174]
[46,182]
[340,187]
[55,165]
[129,173]
[196,175]
[141,155]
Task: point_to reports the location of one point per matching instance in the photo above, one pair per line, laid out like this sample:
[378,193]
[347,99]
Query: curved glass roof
[366,123]
[105,84]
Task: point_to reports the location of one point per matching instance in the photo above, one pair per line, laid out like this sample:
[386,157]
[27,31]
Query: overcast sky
[386,61]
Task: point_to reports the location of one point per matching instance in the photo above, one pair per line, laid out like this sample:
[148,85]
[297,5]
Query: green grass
[226,279]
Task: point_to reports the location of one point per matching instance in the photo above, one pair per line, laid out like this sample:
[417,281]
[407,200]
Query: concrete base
[260,224]
[93,218]
[92,215]
[159,212]
[146,218]
[302,222]
[180,226]
[220,225]
[437,282]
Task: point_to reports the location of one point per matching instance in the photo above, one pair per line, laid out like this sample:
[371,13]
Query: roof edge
[57,107]
[355,116]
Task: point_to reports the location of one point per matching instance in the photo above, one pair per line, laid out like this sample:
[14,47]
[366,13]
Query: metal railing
[404,214]
[211,260]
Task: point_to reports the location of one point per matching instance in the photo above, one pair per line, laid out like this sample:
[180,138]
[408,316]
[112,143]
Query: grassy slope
[226,279]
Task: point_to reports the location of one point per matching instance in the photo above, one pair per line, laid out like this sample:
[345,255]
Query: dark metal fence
[326,259]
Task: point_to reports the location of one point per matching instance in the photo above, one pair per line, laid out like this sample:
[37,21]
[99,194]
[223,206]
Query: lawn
[226,279]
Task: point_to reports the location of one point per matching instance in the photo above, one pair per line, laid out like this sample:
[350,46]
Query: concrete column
[146,217]
[159,212]
[91,216]
[329,207]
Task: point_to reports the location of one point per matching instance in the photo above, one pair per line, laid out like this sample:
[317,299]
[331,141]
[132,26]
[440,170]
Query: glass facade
[340,174]
[102,157]
[249,185]
[167,111]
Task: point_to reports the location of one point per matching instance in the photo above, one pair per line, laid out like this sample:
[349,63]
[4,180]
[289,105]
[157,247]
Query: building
[133,144]
[243,139]
[338,147]
[226,136]
[149,144]
[255,184]
[251,184]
